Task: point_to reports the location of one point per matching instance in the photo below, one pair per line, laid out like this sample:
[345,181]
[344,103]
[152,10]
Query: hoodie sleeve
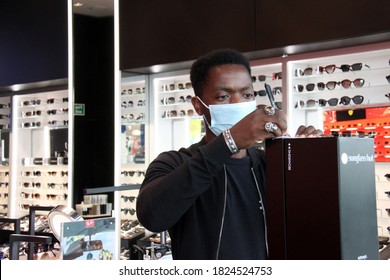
[174,180]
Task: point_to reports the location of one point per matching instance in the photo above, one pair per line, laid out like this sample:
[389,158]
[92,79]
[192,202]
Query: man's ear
[197,105]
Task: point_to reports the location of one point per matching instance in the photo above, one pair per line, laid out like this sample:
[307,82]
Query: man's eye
[222,97]
[248,95]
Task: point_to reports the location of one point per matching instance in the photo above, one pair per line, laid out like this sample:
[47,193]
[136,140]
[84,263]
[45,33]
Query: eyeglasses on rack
[353,67]
[4,195]
[262,78]
[56,122]
[30,195]
[127,104]
[329,69]
[30,124]
[277,90]
[55,100]
[57,111]
[345,100]
[260,93]
[358,83]
[133,172]
[31,184]
[174,114]
[183,86]
[31,113]
[31,102]
[185,99]
[128,198]
[57,196]
[168,100]
[331,85]
[130,211]
[32,173]
[358,99]
[55,185]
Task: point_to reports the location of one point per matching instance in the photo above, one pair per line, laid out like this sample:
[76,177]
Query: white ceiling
[94,8]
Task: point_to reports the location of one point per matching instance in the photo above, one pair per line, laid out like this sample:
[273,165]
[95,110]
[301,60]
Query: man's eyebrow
[228,89]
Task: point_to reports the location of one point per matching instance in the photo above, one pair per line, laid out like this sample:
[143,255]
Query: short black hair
[200,68]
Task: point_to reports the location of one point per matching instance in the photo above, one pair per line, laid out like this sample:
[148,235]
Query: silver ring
[270,127]
[269,110]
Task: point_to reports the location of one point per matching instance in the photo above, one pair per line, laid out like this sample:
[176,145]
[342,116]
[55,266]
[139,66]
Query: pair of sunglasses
[128,198]
[352,67]
[330,69]
[345,100]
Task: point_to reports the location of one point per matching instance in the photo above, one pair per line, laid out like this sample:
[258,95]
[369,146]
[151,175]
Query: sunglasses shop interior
[92,91]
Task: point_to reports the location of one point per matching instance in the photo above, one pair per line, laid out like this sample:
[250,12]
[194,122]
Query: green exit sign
[79,109]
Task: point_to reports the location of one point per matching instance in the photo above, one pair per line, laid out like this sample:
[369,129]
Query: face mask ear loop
[203,103]
[204,117]
[205,120]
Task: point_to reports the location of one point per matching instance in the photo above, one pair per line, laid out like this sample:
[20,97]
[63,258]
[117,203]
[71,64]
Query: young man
[211,196]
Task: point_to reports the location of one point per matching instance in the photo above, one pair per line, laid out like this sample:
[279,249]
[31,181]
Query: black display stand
[14,240]
[4,234]
[31,231]
[321,198]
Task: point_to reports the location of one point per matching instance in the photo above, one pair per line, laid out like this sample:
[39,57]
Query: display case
[5,125]
[336,81]
[176,124]
[134,151]
[39,160]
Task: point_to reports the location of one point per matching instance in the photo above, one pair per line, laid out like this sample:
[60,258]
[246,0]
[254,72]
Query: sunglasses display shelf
[270,73]
[340,82]
[133,121]
[175,100]
[175,122]
[133,103]
[40,160]
[4,182]
[5,122]
[130,174]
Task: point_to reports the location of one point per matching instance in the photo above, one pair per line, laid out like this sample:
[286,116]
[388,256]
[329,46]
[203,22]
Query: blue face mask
[224,116]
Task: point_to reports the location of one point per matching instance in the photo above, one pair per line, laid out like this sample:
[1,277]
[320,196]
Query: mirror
[133,143]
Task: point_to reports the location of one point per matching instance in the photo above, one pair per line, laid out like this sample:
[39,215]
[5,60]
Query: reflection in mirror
[4,147]
[133,143]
